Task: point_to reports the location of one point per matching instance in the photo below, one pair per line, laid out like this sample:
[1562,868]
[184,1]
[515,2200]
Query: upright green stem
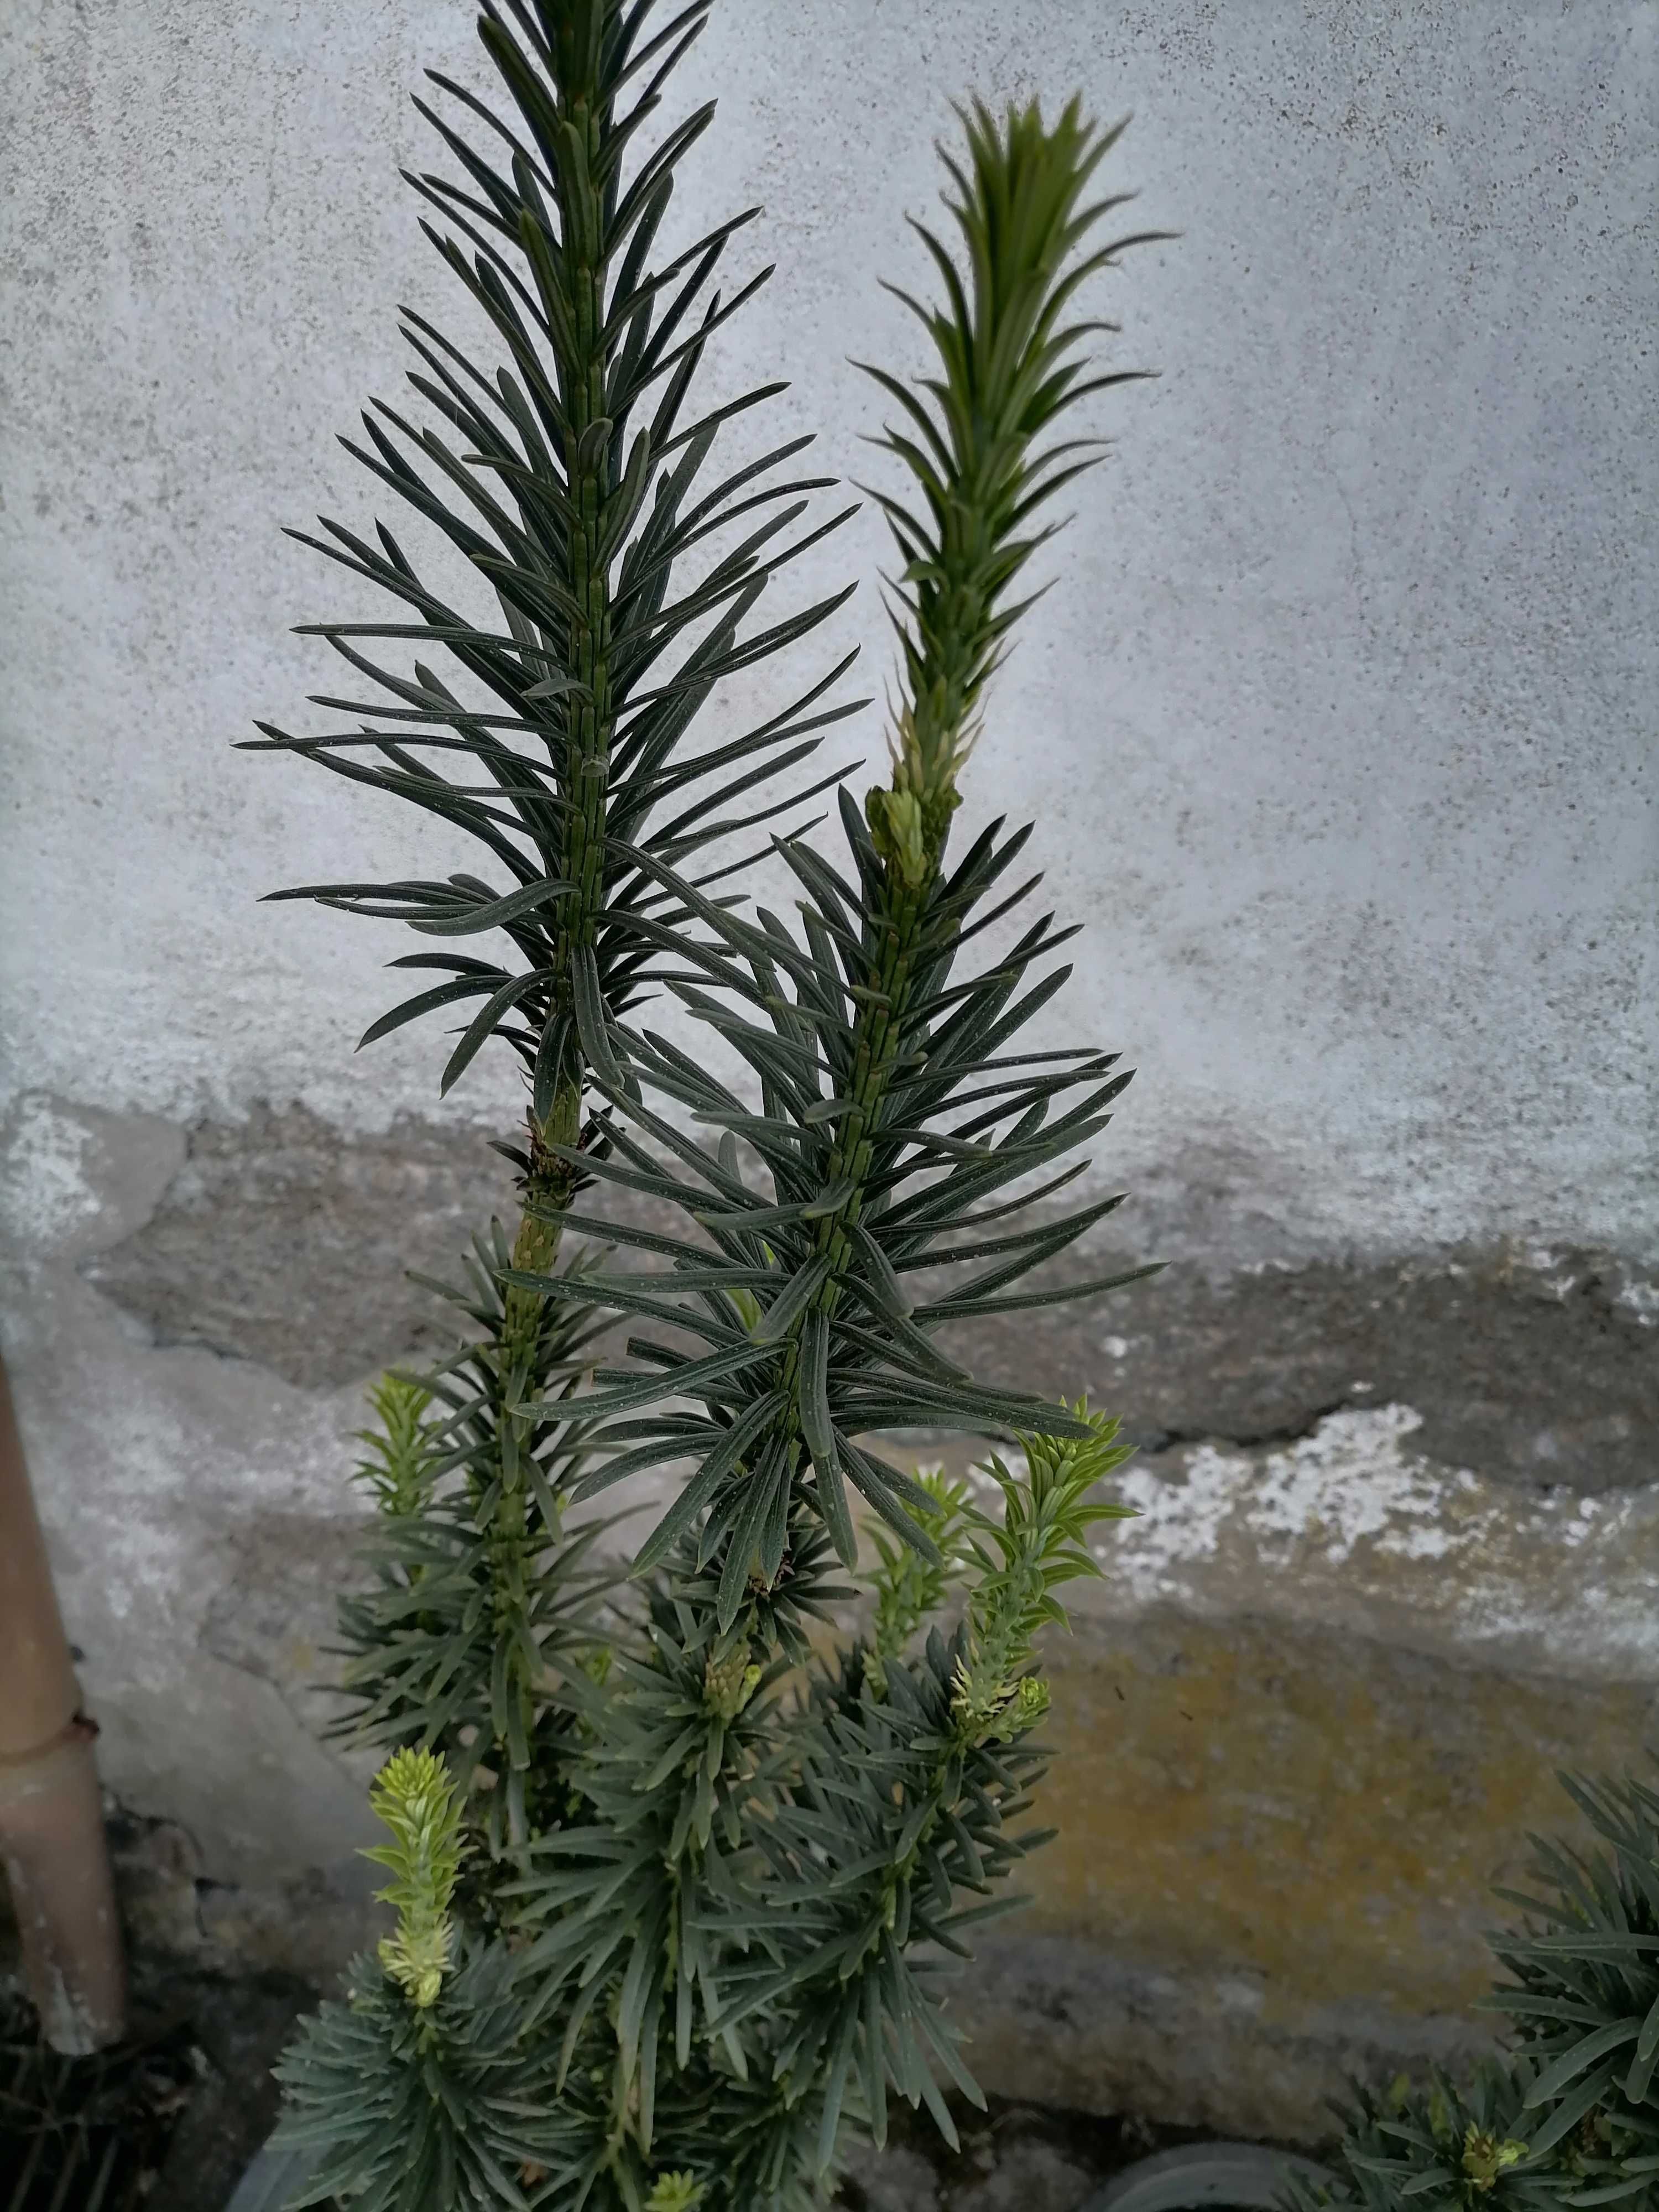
[879,1039]
[576,266]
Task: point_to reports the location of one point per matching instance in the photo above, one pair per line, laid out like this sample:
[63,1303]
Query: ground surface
[93,2135]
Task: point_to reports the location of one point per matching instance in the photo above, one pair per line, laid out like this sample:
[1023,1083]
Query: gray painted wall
[1339,725]
[1337,728]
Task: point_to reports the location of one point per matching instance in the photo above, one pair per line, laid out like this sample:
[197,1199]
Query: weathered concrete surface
[1309,1715]
[152,1466]
[1337,730]
[1536,1366]
[1273,1867]
[278,1243]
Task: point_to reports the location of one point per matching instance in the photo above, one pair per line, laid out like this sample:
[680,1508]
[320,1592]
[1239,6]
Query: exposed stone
[1017,2168]
[896,2179]
[1358,1528]
[176,1920]
[1010,2157]
[1028,2177]
[243,2026]
[1274,1868]
[1097,2032]
[279,1242]
[1539,1368]
[1311,1707]
[157,1866]
[151,1465]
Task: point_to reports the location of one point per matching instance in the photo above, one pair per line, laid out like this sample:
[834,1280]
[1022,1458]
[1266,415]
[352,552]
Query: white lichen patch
[1355,1525]
[45,1193]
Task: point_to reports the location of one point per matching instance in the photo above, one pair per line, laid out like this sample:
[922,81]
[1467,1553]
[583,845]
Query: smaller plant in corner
[680,1844]
[1569,2116]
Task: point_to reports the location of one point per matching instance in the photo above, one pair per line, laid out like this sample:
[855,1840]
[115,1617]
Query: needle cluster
[683,1841]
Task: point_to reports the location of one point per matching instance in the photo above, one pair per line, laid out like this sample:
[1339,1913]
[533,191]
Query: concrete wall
[1338,732]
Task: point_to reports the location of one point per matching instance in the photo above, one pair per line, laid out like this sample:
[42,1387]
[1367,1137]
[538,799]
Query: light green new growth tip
[674,2192]
[908,1586]
[401,1449]
[413,1794]
[1007,365]
[1039,1543]
[1485,2157]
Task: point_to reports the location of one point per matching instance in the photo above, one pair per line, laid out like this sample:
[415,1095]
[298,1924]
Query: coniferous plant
[1569,2116]
[677,1844]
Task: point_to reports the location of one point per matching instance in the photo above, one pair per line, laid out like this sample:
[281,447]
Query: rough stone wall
[1338,735]
[1309,1715]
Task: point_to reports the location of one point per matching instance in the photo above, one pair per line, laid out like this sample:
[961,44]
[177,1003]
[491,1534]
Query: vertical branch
[1007,369]
[567,256]
[562,511]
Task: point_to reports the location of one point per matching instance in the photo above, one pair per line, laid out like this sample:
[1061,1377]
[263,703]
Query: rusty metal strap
[23,1773]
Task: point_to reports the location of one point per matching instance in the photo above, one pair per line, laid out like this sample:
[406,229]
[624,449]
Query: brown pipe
[52,1817]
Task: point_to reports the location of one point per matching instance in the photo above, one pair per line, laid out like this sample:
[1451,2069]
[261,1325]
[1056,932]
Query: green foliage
[1039,1544]
[1585,1997]
[908,1585]
[478,1593]
[1446,2149]
[1572,2118]
[678,1857]
[436,2107]
[572,498]
[861,1190]
[1008,366]
[413,1794]
[675,2192]
[401,1448]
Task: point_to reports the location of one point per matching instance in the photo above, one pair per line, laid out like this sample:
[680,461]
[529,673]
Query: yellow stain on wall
[1324,1812]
